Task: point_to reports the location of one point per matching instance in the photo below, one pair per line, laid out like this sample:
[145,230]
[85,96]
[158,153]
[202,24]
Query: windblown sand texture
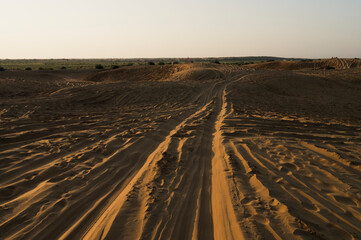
[189,151]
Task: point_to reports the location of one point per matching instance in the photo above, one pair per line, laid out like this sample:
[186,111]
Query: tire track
[224,217]
[103,223]
[304,193]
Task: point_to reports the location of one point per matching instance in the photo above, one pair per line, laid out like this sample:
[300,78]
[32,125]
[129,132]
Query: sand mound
[198,73]
[30,83]
[181,72]
[315,95]
[334,63]
[286,65]
[354,63]
[134,73]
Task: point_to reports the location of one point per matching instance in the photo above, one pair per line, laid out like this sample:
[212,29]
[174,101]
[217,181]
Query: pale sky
[179,28]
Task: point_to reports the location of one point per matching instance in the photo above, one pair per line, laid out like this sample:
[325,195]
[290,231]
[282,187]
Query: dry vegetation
[189,151]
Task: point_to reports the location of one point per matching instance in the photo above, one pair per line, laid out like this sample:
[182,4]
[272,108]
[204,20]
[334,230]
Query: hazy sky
[179,28]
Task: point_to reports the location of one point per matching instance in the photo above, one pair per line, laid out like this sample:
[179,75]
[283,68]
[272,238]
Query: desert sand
[188,151]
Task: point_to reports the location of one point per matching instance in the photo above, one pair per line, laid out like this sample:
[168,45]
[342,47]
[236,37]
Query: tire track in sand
[104,222]
[225,223]
[220,213]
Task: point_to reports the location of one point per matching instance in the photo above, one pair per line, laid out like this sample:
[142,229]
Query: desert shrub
[175,62]
[271,60]
[151,63]
[51,69]
[161,63]
[216,62]
[63,68]
[130,64]
[115,66]
[2,69]
[99,66]
[329,68]
[28,69]
[40,68]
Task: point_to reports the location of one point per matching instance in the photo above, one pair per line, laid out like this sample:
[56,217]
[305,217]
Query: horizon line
[132,58]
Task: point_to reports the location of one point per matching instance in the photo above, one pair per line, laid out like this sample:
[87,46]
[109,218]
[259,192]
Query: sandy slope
[336,63]
[183,152]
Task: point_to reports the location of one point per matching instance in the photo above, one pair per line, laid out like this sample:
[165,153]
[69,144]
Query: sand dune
[184,72]
[189,151]
[335,63]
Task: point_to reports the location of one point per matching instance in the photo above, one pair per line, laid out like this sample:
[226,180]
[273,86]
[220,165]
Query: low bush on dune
[99,66]
[40,69]
[151,63]
[2,69]
[115,66]
[28,69]
[63,68]
[161,63]
[175,62]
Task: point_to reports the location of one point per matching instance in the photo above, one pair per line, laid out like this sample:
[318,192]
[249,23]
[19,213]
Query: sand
[188,151]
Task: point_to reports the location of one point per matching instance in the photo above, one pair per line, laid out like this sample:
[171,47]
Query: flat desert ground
[186,151]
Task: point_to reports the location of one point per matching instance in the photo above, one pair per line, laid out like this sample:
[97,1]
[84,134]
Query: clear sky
[179,28]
